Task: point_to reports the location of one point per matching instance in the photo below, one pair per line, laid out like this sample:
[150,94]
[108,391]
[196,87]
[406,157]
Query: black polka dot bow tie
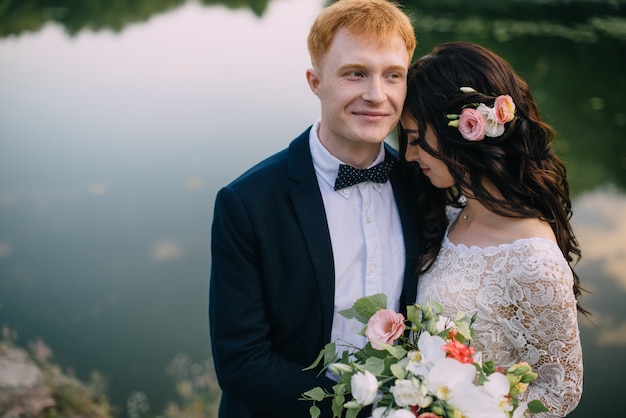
[349,175]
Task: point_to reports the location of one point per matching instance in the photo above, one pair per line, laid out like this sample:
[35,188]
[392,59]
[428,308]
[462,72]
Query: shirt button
[345,191]
[372,268]
[367,219]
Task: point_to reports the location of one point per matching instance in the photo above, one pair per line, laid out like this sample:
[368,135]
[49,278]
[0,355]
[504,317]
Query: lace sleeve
[540,321]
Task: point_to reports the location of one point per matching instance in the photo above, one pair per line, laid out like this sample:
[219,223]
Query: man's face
[362,86]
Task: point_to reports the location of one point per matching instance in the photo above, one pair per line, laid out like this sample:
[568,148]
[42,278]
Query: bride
[495,208]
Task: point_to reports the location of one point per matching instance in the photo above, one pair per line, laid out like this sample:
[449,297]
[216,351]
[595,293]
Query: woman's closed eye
[416,141]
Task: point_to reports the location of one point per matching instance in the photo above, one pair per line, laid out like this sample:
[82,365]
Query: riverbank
[33,386]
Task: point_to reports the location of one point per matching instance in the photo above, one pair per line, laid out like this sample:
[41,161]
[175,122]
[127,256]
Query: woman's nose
[411,154]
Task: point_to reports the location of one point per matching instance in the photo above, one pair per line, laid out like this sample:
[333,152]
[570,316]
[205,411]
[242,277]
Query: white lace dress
[526,311]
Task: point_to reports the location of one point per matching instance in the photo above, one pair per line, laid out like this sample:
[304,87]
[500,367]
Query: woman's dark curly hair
[530,178]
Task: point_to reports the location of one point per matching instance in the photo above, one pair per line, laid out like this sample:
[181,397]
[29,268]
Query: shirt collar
[327,165]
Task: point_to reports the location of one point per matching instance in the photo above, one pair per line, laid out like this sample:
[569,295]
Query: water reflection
[95,15]
[114,142]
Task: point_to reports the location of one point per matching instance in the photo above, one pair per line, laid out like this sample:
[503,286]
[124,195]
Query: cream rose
[493,128]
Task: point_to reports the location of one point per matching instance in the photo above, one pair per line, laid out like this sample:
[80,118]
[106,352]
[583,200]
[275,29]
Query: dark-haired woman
[495,211]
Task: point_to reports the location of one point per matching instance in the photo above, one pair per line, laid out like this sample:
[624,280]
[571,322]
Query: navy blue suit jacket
[272,285]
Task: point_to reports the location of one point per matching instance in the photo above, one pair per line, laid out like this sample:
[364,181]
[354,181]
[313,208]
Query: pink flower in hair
[505,108]
[471,124]
[475,122]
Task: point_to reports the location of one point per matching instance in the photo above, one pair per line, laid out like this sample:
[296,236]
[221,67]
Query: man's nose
[375,91]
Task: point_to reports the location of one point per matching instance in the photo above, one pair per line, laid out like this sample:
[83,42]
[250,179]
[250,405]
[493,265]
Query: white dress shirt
[366,237]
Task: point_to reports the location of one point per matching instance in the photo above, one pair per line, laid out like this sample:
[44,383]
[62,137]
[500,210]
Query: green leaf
[369,351]
[488,367]
[427,313]
[337,406]
[339,389]
[397,351]
[330,353]
[374,365]
[438,307]
[464,331]
[365,307]
[318,359]
[314,411]
[536,407]
[398,371]
[529,377]
[414,314]
[353,412]
[482,377]
[315,394]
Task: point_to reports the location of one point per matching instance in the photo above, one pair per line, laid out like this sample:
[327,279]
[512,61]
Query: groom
[294,240]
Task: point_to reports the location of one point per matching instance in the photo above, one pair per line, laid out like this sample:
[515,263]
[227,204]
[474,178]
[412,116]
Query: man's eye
[357,74]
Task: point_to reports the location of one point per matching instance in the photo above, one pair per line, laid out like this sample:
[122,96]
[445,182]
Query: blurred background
[120,120]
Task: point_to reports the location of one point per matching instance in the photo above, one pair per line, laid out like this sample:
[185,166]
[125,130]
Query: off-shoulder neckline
[505,245]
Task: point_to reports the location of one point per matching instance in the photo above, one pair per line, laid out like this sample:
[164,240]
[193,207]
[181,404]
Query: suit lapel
[403,194]
[309,207]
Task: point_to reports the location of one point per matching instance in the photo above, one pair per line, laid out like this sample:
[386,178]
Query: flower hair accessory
[476,123]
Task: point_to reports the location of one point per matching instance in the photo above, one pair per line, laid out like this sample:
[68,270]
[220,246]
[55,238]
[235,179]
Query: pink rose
[505,108]
[471,125]
[385,326]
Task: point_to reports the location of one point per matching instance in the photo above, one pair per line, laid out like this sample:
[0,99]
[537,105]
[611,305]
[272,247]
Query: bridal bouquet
[422,366]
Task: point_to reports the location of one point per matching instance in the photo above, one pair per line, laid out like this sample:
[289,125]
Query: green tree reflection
[569,51]
[20,16]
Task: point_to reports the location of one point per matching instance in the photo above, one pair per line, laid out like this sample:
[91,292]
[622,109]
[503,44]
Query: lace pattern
[526,311]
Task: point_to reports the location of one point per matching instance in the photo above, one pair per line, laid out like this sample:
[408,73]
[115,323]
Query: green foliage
[578,87]
[74,398]
[19,16]
[569,52]
[364,308]
[536,407]
[314,411]
[197,390]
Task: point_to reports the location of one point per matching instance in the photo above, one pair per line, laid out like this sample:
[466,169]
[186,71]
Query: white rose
[364,388]
[380,412]
[444,323]
[493,128]
[384,412]
[405,393]
[401,413]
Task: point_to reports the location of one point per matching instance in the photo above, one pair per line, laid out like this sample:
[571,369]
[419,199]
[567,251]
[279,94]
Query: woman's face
[435,169]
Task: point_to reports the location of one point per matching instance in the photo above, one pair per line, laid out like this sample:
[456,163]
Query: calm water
[114,143]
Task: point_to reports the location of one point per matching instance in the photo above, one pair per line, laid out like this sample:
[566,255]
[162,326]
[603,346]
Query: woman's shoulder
[498,231]
[525,228]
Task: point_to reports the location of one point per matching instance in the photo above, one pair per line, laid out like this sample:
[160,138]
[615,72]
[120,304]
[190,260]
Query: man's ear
[314,81]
